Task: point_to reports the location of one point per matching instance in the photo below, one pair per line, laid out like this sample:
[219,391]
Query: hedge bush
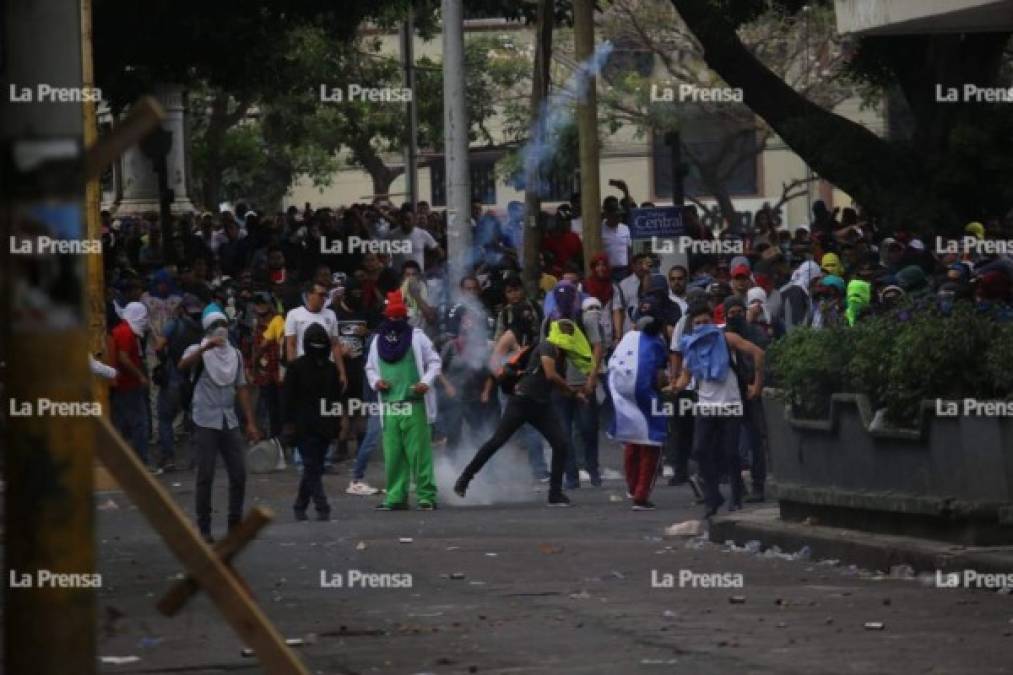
[897,361]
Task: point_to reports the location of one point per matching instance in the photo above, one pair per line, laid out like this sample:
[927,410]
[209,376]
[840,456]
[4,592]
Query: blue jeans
[131,416]
[369,443]
[579,419]
[529,438]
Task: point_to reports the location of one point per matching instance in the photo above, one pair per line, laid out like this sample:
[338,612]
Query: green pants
[408,456]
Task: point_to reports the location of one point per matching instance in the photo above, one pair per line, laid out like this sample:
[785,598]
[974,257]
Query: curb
[865,549]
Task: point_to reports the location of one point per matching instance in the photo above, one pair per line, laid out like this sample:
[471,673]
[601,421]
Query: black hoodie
[312,385]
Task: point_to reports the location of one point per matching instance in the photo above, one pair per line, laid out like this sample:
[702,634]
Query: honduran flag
[633,372]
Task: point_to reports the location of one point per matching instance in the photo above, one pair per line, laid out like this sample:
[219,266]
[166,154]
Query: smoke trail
[507,476]
[556,114]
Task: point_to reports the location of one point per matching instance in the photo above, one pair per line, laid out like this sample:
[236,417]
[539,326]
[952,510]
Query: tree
[957,164]
[805,53]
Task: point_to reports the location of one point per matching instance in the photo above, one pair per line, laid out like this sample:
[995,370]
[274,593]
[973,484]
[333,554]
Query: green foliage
[809,366]
[897,362]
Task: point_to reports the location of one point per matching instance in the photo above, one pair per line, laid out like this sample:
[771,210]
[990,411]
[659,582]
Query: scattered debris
[457,575]
[687,528]
[149,642]
[583,595]
[902,572]
[453,548]
[550,549]
[615,498]
[406,540]
[669,614]
[737,599]
[361,546]
[874,625]
[491,555]
[119,660]
[108,505]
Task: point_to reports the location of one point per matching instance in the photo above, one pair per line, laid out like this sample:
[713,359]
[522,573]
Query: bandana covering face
[859,297]
[136,316]
[576,346]
[221,363]
[393,339]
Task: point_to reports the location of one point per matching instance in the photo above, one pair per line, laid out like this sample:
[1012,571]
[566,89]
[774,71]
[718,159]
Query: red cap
[395,308]
[741,271]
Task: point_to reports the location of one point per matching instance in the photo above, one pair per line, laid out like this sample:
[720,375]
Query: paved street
[520,588]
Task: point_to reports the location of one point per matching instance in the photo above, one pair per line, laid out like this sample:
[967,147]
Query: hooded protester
[756,309]
[912,279]
[312,392]
[829,309]
[859,296]
[707,360]
[402,367]
[831,264]
[599,286]
[219,380]
[128,396]
[639,422]
[530,401]
[796,302]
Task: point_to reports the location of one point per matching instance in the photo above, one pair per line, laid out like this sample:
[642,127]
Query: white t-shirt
[300,318]
[616,242]
[420,242]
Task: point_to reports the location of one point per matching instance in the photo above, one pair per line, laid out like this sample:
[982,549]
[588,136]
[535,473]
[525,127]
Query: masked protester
[311,395]
[858,299]
[530,401]
[129,394]
[401,367]
[707,359]
[639,421]
[220,380]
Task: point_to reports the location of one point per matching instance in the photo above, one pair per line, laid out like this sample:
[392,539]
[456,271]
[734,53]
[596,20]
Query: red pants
[641,468]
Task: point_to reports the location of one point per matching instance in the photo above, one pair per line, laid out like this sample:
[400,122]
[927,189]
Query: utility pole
[49,512]
[411,149]
[587,129]
[534,178]
[455,143]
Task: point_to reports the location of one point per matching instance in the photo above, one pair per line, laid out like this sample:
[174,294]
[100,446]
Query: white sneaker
[361,488]
[667,472]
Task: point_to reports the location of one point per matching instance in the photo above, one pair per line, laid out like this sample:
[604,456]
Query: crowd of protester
[337,332]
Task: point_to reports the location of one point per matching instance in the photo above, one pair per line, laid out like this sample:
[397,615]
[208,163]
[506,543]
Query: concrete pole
[587,129]
[49,513]
[455,143]
[411,149]
[532,200]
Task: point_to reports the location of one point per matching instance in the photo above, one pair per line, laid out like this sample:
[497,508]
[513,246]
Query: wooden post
[587,128]
[213,575]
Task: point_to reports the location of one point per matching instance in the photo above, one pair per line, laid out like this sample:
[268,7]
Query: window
[730,144]
[483,180]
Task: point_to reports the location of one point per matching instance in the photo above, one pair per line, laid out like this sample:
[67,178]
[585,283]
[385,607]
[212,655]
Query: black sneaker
[643,506]
[678,479]
[300,514]
[461,486]
[323,516]
[384,506]
[559,500]
[713,510]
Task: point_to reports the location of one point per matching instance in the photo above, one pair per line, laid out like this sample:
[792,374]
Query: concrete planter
[948,478]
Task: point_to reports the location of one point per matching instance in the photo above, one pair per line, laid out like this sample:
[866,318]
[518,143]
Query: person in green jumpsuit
[401,367]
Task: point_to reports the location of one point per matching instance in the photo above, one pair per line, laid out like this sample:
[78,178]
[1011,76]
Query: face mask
[221,331]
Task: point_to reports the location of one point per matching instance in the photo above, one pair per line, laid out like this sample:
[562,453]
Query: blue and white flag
[633,372]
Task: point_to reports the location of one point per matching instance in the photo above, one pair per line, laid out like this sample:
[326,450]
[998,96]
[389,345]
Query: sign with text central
[664,221]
